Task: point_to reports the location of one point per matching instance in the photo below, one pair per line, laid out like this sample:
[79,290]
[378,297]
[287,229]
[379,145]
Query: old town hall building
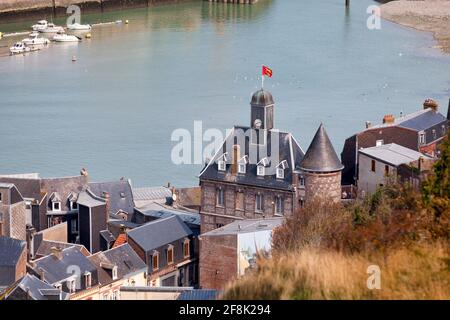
[261,172]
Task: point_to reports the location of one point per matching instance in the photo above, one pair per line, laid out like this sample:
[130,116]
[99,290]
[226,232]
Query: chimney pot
[389,118]
[430,104]
[368,124]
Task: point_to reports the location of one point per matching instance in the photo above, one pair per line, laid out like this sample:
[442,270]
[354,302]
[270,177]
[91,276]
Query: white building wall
[369,181]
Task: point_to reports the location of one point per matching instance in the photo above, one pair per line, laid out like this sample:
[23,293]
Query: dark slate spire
[321,156]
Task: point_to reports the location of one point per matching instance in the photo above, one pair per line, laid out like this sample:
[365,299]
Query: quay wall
[20,8]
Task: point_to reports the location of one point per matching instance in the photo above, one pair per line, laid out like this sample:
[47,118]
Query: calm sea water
[114,110]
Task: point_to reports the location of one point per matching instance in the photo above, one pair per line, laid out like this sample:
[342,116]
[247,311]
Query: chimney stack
[107,198]
[430,104]
[84,172]
[56,252]
[388,119]
[235,158]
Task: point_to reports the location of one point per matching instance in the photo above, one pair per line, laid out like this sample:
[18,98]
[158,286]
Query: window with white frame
[220,201]
[260,171]
[379,142]
[259,203]
[73,205]
[242,168]
[114,273]
[221,165]
[56,206]
[302,181]
[87,279]
[280,173]
[71,285]
[422,138]
[278,205]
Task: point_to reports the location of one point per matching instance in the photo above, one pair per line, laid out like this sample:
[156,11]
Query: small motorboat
[34,40]
[41,25]
[52,28]
[19,47]
[62,37]
[79,27]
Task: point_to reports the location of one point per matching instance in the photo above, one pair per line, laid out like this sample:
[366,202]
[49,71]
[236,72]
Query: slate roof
[159,233]
[10,250]
[157,210]
[393,154]
[120,193]
[15,195]
[28,187]
[45,248]
[56,270]
[198,294]
[423,121]
[321,156]
[88,199]
[107,235]
[124,257]
[64,187]
[246,226]
[36,289]
[151,193]
[289,150]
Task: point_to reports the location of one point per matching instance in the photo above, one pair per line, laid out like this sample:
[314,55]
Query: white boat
[79,27]
[62,37]
[41,25]
[52,28]
[34,39]
[19,47]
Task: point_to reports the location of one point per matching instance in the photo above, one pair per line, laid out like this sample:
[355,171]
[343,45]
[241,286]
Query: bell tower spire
[261,116]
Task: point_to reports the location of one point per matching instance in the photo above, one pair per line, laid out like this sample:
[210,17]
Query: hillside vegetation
[325,251]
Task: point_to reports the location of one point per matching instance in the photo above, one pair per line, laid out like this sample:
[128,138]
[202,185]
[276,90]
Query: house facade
[13,260]
[13,216]
[422,131]
[168,248]
[381,165]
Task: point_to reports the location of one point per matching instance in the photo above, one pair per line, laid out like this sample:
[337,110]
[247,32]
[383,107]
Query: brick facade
[218,261]
[239,203]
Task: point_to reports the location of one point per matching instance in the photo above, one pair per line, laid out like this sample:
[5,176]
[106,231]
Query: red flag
[266,71]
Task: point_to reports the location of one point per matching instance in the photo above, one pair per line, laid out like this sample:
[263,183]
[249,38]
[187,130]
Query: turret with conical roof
[321,169]
[320,156]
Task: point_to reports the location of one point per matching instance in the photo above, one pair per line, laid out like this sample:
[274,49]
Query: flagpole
[262,82]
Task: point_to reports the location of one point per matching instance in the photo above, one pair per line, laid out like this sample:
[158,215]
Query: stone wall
[325,186]
[218,261]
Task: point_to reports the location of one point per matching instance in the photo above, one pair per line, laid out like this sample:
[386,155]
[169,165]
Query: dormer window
[260,171]
[114,273]
[170,254]
[87,279]
[422,138]
[58,286]
[73,205]
[221,165]
[280,173]
[55,200]
[71,285]
[242,168]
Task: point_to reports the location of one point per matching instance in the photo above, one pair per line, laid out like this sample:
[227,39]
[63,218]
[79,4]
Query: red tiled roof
[121,239]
